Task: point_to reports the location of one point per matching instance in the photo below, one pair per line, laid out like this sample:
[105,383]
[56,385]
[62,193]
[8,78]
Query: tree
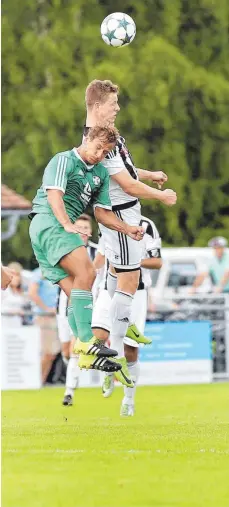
[174,98]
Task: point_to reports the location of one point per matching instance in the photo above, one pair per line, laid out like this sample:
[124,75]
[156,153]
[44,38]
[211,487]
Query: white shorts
[121,251]
[64,331]
[101,313]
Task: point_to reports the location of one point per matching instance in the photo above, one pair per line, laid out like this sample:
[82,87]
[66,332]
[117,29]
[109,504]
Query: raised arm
[138,189]
[155,176]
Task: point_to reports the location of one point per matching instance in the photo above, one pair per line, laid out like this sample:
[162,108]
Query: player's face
[97,150]
[84,228]
[108,110]
[219,250]
[16,281]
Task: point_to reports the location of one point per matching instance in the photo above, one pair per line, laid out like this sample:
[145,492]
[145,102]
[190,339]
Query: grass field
[173,453]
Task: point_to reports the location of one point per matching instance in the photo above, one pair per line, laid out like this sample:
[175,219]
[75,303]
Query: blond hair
[105,134]
[98,91]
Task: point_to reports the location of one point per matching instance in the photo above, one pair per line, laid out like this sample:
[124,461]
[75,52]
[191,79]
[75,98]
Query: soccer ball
[118,29]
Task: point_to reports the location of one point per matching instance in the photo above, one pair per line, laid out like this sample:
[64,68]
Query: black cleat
[94,347]
[67,401]
[98,363]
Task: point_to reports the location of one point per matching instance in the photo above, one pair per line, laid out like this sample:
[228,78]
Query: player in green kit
[72,180]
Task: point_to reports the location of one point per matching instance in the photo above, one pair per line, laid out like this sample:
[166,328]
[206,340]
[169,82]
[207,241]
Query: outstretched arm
[155,176]
[140,190]
[222,282]
[198,281]
[109,219]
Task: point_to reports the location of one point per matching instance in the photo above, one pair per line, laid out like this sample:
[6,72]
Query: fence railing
[201,307]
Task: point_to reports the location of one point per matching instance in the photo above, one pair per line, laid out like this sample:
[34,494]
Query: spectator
[14,298]
[6,276]
[219,268]
[44,296]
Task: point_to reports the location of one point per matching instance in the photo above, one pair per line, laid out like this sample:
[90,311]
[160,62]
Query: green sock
[82,305]
[71,321]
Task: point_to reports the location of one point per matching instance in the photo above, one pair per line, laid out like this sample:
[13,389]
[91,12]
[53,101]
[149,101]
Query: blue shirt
[46,290]
[218,268]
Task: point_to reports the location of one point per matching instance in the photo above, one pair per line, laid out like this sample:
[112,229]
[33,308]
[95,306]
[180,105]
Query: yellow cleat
[93,347]
[134,333]
[123,375]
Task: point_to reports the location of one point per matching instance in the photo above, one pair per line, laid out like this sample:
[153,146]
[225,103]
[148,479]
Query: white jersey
[151,247]
[117,160]
[151,243]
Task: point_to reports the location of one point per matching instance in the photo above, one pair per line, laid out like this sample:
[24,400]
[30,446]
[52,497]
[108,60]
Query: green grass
[173,453]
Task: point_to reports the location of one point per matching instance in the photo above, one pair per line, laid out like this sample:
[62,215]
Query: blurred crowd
[31,300]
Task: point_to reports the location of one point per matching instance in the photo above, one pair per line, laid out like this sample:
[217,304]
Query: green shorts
[50,243]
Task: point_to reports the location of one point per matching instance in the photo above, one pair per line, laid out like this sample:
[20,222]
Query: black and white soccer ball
[118,29]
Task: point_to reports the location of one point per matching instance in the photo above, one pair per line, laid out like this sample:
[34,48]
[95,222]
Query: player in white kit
[151,259]
[64,332]
[123,253]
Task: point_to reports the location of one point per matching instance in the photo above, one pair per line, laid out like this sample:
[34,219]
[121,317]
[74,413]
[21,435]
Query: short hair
[98,91]
[218,242]
[85,218]
[105,134]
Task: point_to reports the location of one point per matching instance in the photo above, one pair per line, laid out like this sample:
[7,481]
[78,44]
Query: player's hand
[135,232]
[72,228]
[169,197]
[159,177]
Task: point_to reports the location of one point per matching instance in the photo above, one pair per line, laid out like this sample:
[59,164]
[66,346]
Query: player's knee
[128,282]
[87,277]
[91,275]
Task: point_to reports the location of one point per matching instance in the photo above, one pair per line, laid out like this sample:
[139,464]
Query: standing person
[44,296]
[151,259]
[72,180]
[84,225]
[218,269]
[125,189]
[14,297]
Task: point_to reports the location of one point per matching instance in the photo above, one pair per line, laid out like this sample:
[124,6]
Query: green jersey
[81,184]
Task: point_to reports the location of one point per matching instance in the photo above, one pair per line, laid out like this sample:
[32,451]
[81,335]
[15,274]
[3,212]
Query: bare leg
[46,364]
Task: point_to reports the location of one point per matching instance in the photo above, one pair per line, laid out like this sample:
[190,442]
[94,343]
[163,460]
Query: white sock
[120,312]
[111,284]
[129,392]
[72,376]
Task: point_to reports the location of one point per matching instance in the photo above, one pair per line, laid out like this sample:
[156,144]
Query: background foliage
[174,97]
